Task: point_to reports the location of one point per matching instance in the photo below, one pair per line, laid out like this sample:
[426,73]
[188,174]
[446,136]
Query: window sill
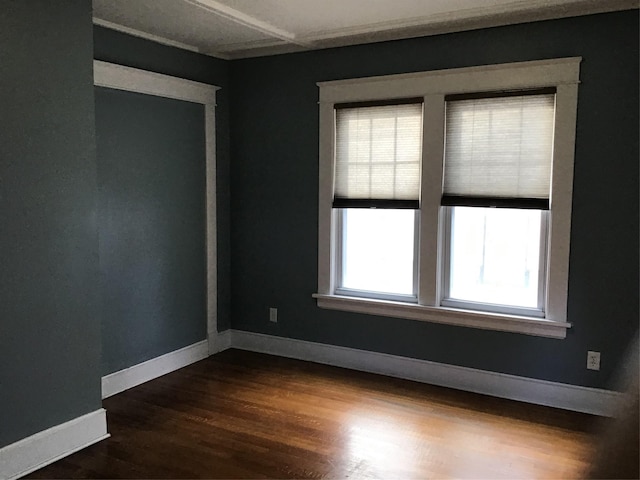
[451,316]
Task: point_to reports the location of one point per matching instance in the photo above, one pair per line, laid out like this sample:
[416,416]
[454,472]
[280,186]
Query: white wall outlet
[593,360]
[273,315]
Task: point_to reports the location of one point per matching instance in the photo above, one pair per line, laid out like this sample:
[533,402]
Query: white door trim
[110,75]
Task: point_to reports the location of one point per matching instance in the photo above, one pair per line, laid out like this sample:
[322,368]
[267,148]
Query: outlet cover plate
[593,360]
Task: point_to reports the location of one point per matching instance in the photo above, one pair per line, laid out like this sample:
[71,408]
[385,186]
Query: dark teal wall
[274,197]
[151,226]
[115,47]
[49,320]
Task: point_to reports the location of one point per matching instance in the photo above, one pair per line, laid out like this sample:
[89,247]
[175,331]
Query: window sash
[340,243]
[445,276]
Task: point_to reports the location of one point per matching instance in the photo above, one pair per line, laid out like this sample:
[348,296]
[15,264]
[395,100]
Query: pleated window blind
[498,150]
[377,155]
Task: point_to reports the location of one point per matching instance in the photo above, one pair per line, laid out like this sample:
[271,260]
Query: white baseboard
[560,395]
[541,392]
[156,367]
[48,446]
[221,341]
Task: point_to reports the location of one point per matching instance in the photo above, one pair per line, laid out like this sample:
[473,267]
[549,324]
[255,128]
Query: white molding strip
[560,395]
[245,20]
[147,36]
[45,447]
[129,79]
[156,367]
[450,316]
[221,342]
[157,38]
[482,78]
[211,226]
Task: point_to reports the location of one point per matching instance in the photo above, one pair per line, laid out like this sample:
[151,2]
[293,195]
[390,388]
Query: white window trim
[128,79]
[433,86]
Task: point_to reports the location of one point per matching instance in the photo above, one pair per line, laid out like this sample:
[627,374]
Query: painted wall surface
[274,198]
[151,226]
[49,315]
[116,47]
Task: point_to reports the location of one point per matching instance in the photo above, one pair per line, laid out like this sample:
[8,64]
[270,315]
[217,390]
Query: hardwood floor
[247,415]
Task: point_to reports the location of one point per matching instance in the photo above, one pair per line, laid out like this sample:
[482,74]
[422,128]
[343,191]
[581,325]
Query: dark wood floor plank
[246,415]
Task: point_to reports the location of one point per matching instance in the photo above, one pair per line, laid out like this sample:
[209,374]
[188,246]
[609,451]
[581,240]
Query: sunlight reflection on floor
[377,445]
[381,446]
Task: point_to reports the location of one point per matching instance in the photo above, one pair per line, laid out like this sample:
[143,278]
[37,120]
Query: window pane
[495,255]
[378,250]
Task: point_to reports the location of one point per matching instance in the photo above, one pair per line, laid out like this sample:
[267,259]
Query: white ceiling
[248,28]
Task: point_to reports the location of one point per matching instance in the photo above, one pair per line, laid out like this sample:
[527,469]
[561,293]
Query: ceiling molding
[464,20]
[514,12]
[509,10]
[156,38]
[254,44]
[281,41]
[246,20]
[263,49]
[141,34]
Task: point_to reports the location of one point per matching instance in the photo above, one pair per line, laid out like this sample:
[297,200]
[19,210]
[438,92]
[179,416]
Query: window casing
[432,301]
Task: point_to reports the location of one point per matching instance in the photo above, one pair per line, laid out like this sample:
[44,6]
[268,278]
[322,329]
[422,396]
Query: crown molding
[282,41]
[145,35]
[517,12]
[156,38]
[257,48]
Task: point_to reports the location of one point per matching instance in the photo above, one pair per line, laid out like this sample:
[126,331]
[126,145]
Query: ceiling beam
[246,20]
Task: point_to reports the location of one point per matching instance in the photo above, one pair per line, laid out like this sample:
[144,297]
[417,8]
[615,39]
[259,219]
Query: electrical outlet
[593,360]
[273,315]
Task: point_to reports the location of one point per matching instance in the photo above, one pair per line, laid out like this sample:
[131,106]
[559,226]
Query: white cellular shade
[499,147]
[378,151]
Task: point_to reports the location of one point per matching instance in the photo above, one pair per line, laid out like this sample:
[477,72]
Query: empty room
[319,239]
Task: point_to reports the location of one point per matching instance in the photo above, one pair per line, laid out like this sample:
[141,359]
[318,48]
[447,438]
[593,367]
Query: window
[495,260]
[378,252]
[376,194]
[446,196]
[498,154]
